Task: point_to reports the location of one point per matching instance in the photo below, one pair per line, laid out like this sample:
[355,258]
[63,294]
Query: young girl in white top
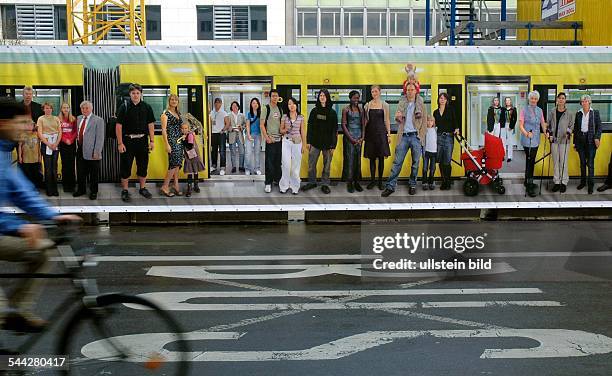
[430,154]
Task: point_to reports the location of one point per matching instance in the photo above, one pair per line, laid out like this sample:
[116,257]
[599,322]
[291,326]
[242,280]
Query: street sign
[566,8]
[549,10]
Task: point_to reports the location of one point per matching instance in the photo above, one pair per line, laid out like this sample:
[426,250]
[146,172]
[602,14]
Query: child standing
[30,159]
[193,162]
[431,152]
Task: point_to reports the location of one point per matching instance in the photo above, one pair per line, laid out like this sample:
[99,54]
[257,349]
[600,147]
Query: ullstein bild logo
[413,243]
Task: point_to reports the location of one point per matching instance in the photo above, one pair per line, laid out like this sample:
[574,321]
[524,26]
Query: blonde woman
[50,135]
[67,147]
[171,122]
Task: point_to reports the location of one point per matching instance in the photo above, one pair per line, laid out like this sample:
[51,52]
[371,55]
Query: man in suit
[587,136]
[90,142]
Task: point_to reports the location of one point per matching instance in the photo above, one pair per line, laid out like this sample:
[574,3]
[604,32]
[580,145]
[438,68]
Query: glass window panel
[309,23]
[418,26]
[259,22]
[353,22]
[377,23]
[400,23]
[205,23]
[330,22]
[153,22]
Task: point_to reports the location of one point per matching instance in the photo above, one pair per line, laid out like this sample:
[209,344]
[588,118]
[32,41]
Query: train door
[241,90]
[481,91]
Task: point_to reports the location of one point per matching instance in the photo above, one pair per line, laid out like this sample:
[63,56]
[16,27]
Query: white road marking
[344,306]
[553,343]
[307,271]
[179,296]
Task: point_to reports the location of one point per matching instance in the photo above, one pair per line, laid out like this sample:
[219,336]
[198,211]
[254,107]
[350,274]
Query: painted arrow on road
[553,343]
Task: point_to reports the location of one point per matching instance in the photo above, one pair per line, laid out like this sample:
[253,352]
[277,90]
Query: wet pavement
[290,300]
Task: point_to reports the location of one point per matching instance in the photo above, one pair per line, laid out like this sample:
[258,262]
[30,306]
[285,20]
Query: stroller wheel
[470,187]
[501,189]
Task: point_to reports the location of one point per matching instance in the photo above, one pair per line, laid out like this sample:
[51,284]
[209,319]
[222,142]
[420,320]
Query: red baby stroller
[482,165]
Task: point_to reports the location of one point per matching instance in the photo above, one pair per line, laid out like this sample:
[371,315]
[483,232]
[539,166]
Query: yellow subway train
[472,76]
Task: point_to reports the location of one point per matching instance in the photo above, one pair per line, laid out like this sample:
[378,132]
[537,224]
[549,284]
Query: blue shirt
[409,127]
[255,130]
[16,190]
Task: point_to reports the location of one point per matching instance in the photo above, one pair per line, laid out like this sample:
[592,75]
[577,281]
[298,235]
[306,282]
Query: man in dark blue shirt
[21,241]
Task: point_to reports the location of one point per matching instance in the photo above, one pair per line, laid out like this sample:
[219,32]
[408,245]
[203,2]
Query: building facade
[184,22]
[254,22]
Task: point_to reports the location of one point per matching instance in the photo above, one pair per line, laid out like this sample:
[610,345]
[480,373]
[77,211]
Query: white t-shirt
[431,140]
[218,120]
[584,126]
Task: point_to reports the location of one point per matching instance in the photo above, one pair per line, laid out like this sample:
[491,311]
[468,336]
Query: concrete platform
[247,195]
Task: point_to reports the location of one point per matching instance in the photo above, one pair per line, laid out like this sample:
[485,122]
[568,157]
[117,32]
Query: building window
[400,23]
[353,22]
[330,22]
[377,23]
[35,21]
[9,22]
[418,23]
[226,22]
[153,22]
[205,23]
[511,16]
[307,23]
[259,22]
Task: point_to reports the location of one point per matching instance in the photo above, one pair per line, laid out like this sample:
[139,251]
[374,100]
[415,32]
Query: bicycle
[103,313]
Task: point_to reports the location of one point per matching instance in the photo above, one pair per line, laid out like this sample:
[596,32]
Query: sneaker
[233,170]
[563,188]
[144,192]
[381,186]
[294,192]
[125,196]
[283,192]
[325,189]
[268,188]
[358,187]
[371,185]
[432,186]
[222,172]
[241,169]
[247,172]
[212,169]
[509,160]
[387,192]
[556,187]
[309,186]
[580,186]
[350,187]
[425,187]
[412,191]
[258,172]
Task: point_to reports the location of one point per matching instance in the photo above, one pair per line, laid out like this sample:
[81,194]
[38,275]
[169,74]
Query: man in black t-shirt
[135,130]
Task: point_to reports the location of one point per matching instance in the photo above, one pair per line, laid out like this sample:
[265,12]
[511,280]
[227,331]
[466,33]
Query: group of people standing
[79,142]
[559,126]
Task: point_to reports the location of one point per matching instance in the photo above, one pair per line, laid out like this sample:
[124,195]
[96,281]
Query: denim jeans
[274,154]
[352,155]
[586,152]
[313,158]
[253,153]
[237,151]
[407,142]
[445,148]
[429,167]
[217,146]
[50,169]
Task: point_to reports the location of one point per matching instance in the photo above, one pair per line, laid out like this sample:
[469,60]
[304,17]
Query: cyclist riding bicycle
[21,241]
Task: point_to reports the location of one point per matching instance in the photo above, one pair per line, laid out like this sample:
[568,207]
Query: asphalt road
[289,300]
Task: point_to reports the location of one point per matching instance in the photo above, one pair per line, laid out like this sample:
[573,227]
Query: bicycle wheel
[125,335]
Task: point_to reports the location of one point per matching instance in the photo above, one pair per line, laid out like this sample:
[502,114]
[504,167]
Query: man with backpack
[270,129]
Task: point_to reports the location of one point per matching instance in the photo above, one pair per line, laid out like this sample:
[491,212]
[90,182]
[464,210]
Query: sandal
[166,193]
[176,192]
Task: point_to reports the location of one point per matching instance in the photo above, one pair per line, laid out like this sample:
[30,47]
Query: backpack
[268,113]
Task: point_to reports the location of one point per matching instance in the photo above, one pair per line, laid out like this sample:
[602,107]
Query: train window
[183,94]
[54,96]
[390,93]
[601,100]
[157,98]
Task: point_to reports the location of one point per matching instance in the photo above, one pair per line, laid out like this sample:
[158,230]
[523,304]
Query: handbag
[192,153]
[296,139]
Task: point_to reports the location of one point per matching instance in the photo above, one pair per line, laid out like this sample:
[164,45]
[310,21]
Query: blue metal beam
[503,18]
[427,20]
[451,39]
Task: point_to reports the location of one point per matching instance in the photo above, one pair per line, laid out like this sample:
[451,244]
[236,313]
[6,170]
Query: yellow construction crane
[90,21]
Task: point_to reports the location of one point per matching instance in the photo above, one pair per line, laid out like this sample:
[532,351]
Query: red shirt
[69,130]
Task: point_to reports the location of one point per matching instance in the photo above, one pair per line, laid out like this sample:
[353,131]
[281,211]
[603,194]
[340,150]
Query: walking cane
[565,157]
[527,184]
[550,161]
[542,173]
